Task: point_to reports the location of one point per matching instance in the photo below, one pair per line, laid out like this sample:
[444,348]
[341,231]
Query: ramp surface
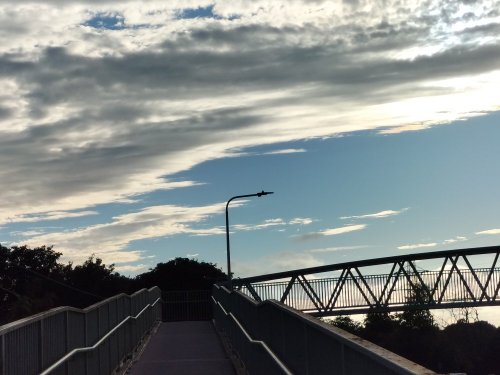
[184,348]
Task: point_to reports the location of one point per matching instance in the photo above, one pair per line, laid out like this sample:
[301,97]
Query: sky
[125,126]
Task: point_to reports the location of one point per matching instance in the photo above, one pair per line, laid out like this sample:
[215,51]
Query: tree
[28,281]
[182,274]
[347,324]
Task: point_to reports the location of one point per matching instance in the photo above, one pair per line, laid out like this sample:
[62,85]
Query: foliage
[34,280]
[182,274]
[347,324]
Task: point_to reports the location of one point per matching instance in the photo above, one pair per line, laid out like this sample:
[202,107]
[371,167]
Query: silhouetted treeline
[462,347]
[34,280]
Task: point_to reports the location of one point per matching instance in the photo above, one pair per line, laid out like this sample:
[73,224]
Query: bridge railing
[297,343]
[80,341]
[455,282]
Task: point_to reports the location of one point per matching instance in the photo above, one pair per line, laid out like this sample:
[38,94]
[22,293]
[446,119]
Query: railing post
[40,344]
[4,367]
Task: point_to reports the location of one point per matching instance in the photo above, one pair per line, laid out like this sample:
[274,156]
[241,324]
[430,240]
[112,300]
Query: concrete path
[184,348]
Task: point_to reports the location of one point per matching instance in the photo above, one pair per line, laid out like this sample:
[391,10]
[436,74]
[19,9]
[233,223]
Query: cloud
[330,232]
[489,231]
[111,241]
[285,151]
[48,216]
[300,221]
[192,255]
[283,261]
[455,239]
[417,246]
[99,110]
[378,215]
[335,249]
[130,270]
[266,224]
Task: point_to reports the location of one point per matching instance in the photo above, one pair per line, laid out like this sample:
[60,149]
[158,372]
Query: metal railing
[255,355]
[355,291]
[93,340]
[186,305]
[302,344]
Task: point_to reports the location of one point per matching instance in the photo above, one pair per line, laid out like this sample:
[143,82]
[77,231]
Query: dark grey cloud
[96,120]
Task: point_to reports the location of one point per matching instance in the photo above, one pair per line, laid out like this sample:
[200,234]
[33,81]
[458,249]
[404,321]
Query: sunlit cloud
[417,246]
[377,215]
[266,224]
[49,216]
[330,232]
[130,269]
[111,241]
[285,151]
[336,248]
[489,232]
[454,240]
[301,221]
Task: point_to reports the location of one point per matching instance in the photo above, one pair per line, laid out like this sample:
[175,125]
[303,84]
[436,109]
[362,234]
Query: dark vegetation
[35,280]
[463,347]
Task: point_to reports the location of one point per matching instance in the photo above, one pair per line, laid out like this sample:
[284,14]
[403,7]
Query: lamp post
[227,225]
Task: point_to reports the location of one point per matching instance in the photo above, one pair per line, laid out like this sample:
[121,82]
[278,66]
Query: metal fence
[303,344]
[187,305]
[456,283]
[90,341]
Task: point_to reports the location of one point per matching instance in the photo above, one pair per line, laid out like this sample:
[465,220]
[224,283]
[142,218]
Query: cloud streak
[377,215]
[330,232]
[418,246]
[489,232]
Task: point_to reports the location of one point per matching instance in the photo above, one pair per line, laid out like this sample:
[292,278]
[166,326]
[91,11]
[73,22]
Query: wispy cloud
[330,232]
[337,248]
[377,215]
[417,246]
[301,221]
[192,255]
[48,216]
[266,224]
[489,231]
[454,240]
[111,241]
[283,261]
[285,151]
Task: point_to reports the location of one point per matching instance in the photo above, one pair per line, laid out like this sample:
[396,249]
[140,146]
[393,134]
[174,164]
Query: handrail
[6,328]
[46,337]
[276,312]
[96,345]
[250,339]
[366,263]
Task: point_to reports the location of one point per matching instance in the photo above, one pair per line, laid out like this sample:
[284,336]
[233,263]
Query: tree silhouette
[182,274]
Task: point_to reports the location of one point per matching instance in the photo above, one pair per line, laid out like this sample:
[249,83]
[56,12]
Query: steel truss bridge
[457,279]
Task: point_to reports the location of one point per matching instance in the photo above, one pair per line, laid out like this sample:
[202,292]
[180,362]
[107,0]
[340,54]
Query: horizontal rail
[97,344]
[455,284]
[45,338]
[366,263]
[251,340]
[308,346]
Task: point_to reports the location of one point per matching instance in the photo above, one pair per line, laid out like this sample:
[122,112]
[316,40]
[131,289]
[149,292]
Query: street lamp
[227,225]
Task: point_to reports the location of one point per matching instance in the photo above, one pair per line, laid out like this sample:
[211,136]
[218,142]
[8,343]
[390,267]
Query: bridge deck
[184,348]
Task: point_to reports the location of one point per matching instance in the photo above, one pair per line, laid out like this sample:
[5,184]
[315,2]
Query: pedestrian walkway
[184,348]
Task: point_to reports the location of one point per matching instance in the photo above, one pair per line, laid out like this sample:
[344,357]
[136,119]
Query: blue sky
[125,127]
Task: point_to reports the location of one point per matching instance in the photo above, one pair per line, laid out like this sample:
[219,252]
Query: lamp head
[264,193]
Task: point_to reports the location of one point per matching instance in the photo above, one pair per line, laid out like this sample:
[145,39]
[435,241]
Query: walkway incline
[184,348]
